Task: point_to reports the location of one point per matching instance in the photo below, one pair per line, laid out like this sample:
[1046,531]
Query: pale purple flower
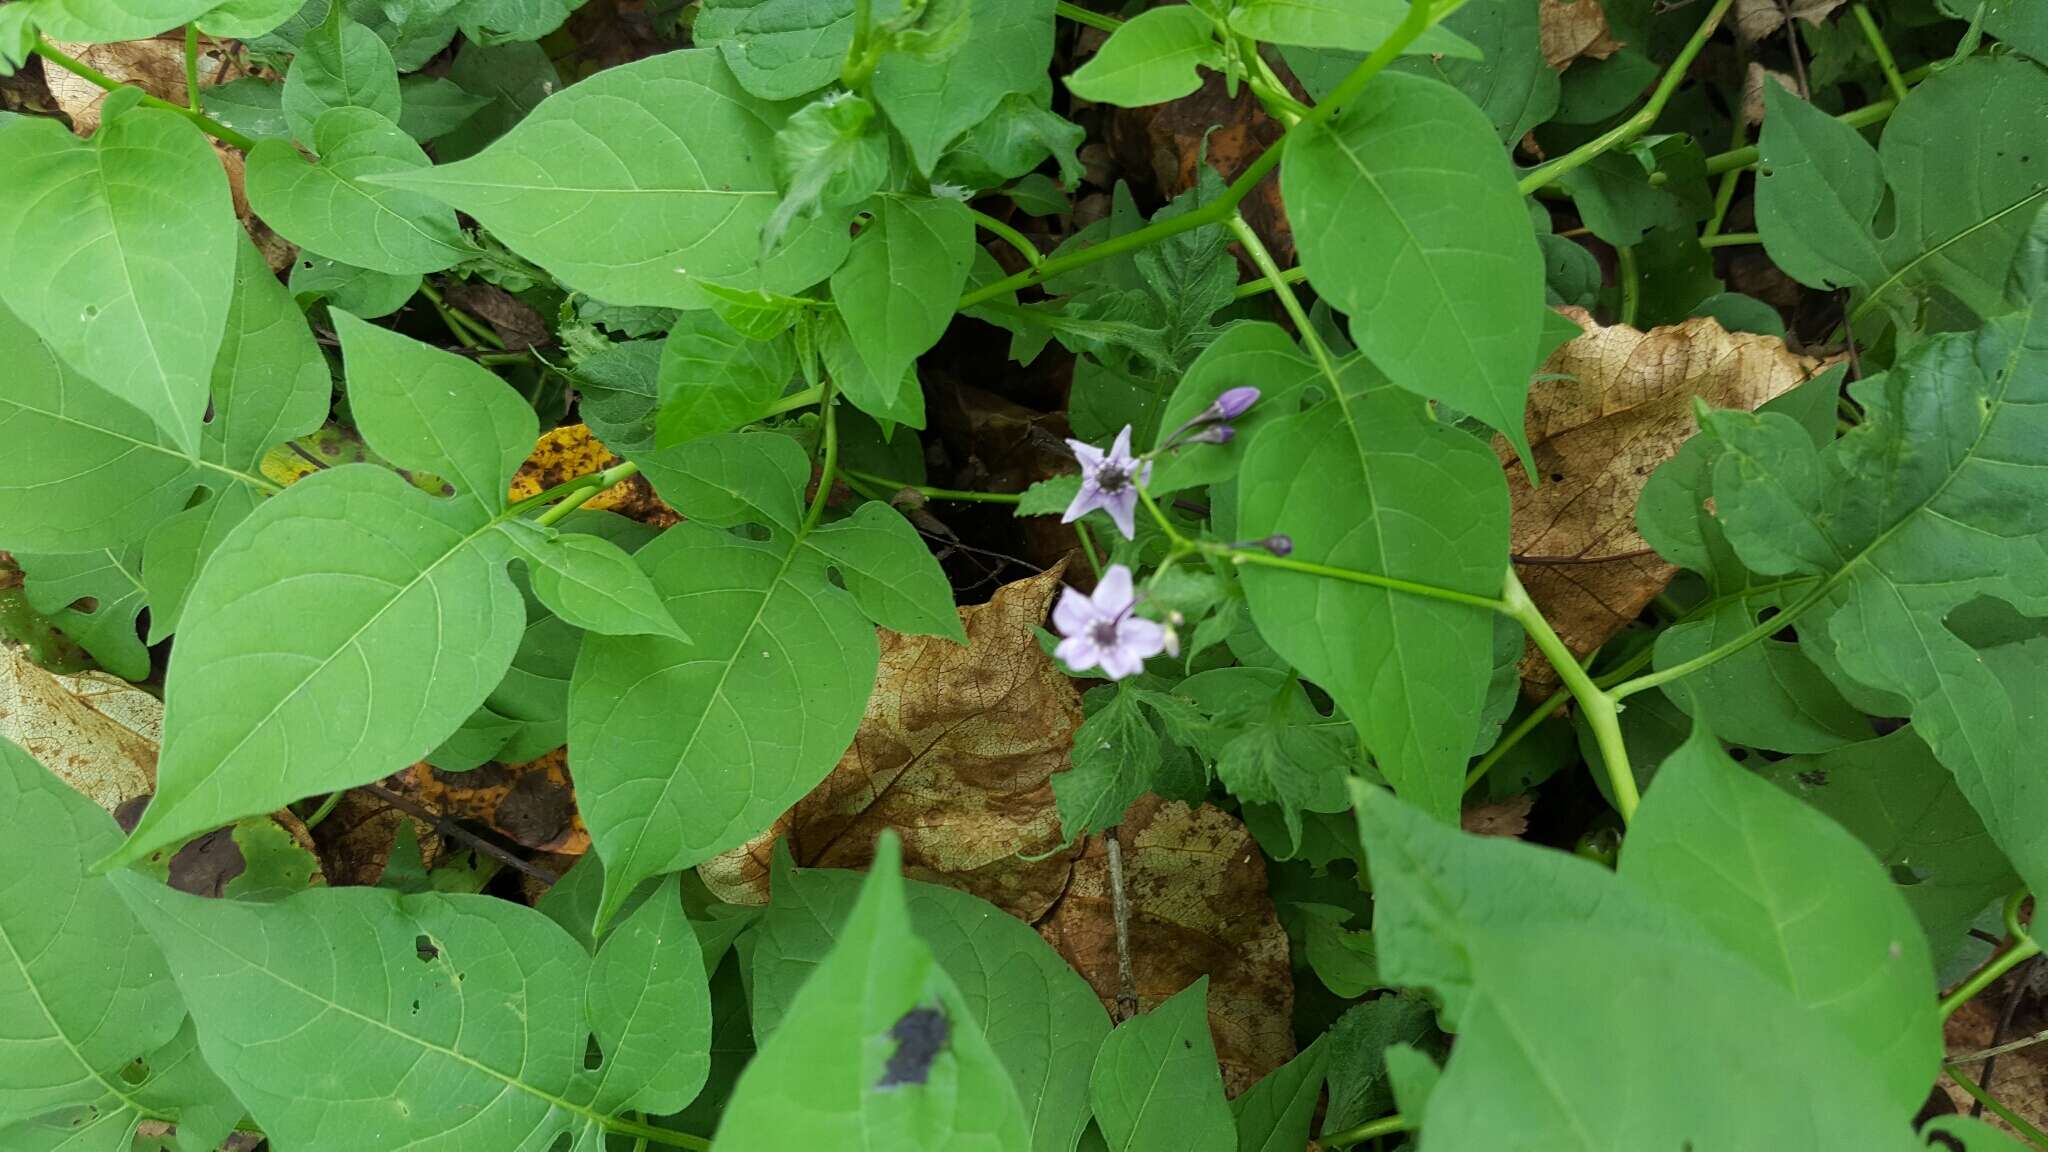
[1109,481]
[1233,403]
[1102,631]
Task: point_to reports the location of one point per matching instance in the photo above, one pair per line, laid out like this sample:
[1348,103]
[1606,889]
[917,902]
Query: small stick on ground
[449,828]
[1120,911]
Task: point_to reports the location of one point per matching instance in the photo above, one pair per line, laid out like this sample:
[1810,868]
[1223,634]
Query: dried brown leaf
[1753,90]
[2019,1079]
[155,66]
[1574,28]
[96,732]
[1756,19]
[1196,885]
[1621,405]
[515,321]
[956,753]
[1509,817]
[531,804]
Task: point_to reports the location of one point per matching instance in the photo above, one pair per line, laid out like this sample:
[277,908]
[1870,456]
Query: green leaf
[1155,1086]
[713,379]
[593,584]
[1049,497]
[120,254]
[270,385]
[899,400]
[74,959]
[1010,143]
[246,19]
[1448,304]
[890,572]
[429,106]
[1371,482]
[516,77]
[1554,1049]
[748,477]
[1116,751]
[1274,1115]
[1932,502]
[2019,24]
[103,472]
[450,1006]
[1958,157]
[110,579]
[932,102]
[1360,1089]
[898,287]
[356,291]
[833,154]
[250,105]
[328,206]
[341,64]
[1151,59]
[1795,894]
[687,749]
[375,577]
[502,21]
[674,128]
[1041,1019]
[1511,81]
[1906,808]
[1353,25]
[879,1042]
[649,1002]
[105,21]
[778,49]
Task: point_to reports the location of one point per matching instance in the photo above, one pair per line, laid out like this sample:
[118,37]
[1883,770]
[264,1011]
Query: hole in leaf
[1738,754]
[593,1056]
[920,1036]
[415,1007]
[1557,477]
[1905,875]
[424,947]
[86,604]
[134,1072]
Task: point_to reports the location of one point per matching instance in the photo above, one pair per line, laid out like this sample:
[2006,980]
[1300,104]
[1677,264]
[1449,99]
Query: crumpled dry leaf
[956,752]
[1622,407]
[2019,1079]
[1509,817]
[1753,90]
[515,321]
[155,66]
[1224,128]
[1196,885]
[565,453]
[1756,19]
[356,839]
[531,804]
[97,733]
[1574,28]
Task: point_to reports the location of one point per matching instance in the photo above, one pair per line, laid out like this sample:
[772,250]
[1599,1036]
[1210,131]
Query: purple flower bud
[1233,403]
[1214,434]
[1279,544]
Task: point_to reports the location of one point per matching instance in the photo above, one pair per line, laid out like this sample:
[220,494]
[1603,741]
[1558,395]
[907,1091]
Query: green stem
[491,359]
[1384,1126]
[1414,24]
[192,68]
[325,809]
[1270,269]
[1598,706]
[793,401]
[1724,192]
[649,1132]
[1736,158]
[1080,15]
[1262,285]
[828,433]
[1631,284]
[2034,1136]
[1645,117]
[931,493]
[1262,559]
[1544,711]
[1885,63]
[1714,655]
[1087,540]
[1009,235]
[585,488]
[1731,239]
[87,72]
[2022,950]
[466,332]
[860,60]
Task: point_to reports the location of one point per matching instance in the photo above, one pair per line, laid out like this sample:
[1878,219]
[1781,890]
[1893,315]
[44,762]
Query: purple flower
[1109,481]
[1233,403]
[1101,630]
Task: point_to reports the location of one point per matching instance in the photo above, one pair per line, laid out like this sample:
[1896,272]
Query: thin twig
[449,828]
[1998,1033]
[1120,913]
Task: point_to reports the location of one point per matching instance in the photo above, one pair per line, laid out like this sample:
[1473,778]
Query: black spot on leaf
[920,1036]
[1814,778]
[424,948]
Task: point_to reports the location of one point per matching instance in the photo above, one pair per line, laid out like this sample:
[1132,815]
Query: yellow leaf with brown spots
[1196,885]
[566,453]
[95,732]
[531,804]
[1618,403]
[956,753]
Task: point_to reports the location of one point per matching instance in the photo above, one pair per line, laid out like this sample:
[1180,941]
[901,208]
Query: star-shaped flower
[1109,481]
[1101,630]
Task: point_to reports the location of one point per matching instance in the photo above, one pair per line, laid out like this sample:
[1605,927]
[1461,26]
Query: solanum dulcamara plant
[1323,410]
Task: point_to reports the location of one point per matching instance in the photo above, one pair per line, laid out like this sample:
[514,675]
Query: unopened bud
[1233,403]
[1279,544]
[1214,434]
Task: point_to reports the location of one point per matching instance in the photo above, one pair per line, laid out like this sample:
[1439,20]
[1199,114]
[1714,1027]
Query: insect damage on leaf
[920,1036]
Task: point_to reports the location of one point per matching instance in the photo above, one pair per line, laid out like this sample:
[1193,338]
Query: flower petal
[1117,663]
[1140,638]
[1113,594]
[1073,614]
[1078,653]
[1122,508]
[1087,500]
[1120,452]
[1088,454]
